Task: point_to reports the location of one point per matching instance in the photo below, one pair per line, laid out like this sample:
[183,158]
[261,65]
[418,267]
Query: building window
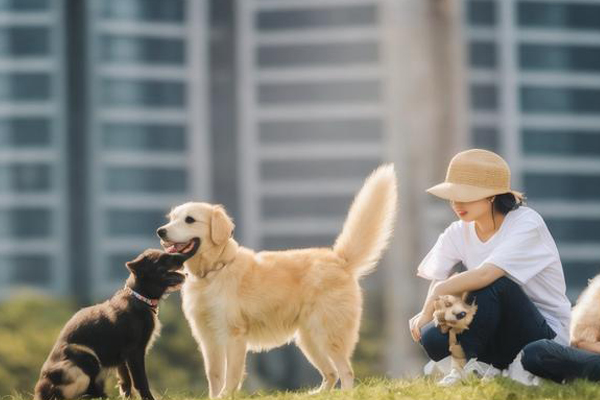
[482,54]
[30,177]
[346,92]
[152,51]
[25,132]
[535,14]
[24,5]
[316,169]
[134,222]
[145,10]
[560,100]
[574,230]
[322,17]
[146,180]
[561,142]
[481,13]
[24,41]
[571,187]
[559,58]
[24,87]
[144,137]
[321,131]
[25,223]
[29,269]
[122,92]
[317,54]
[293,207]
[484,97]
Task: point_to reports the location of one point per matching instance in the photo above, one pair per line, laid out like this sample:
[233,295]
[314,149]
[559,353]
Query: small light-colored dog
[585,318]
[453,315]
[237,300]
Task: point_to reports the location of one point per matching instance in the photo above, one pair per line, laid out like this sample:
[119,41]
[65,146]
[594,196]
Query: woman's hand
[416,323]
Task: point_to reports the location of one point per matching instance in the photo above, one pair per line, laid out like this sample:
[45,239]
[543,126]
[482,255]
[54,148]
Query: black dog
[114,334]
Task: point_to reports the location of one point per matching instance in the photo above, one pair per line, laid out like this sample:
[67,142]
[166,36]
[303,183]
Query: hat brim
[466,193]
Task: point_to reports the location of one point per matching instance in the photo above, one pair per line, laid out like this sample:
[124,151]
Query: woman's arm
[467,281]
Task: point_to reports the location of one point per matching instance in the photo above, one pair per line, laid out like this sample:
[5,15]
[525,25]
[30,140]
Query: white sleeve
[444,255]
[523,254]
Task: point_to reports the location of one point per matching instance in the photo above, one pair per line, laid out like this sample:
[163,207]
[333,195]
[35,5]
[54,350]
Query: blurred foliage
[30,324]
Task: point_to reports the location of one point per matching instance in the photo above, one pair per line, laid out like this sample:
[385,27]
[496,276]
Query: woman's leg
[506,320]
[434,342]
[550,360]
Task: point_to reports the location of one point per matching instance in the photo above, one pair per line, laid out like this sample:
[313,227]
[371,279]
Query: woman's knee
[434,342]
[533,353]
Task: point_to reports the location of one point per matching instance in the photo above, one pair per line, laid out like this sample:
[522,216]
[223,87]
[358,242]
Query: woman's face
[472,210]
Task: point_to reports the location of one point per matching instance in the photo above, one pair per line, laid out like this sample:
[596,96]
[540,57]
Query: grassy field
[422,389]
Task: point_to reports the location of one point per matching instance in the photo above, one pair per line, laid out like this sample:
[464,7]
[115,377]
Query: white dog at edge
[237,300]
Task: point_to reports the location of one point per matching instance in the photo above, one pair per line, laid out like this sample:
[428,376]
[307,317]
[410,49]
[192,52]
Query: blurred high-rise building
[34,202]
[534,73]
[112,111]
[148,132]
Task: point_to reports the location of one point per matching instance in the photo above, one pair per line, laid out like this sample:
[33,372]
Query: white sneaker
[476,367]
[491,373]
[454,377]
[516,372]
[441,367]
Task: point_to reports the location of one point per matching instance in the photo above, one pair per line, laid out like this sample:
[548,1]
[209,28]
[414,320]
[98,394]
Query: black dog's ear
[133,264]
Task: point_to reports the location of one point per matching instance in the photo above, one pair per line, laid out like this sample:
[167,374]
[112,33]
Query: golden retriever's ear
[221,226]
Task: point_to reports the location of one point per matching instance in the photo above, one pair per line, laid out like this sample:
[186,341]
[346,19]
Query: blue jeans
[506,320]
[550,360]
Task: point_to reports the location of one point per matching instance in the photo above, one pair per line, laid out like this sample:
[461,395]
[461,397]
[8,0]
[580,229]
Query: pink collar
[153,303]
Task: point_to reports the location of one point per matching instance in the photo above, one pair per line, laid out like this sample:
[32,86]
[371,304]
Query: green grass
[421,389]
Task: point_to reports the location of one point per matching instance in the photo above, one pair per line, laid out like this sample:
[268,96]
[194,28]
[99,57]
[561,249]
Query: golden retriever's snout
[162,233]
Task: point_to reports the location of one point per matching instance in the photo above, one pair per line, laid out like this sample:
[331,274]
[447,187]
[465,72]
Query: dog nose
[461,315]
[161,232]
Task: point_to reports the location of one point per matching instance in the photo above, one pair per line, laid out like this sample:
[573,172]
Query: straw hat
[474,175]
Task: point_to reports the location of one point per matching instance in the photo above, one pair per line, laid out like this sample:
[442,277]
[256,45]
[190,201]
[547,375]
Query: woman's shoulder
[526,216]
[456,228]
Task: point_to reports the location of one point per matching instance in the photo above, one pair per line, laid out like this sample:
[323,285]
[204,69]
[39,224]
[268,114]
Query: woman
[513,270]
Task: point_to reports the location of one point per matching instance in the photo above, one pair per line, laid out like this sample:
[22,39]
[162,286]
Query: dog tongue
[177,247]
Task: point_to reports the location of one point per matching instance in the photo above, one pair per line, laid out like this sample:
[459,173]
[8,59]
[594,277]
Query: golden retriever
[237,300]
[585,318]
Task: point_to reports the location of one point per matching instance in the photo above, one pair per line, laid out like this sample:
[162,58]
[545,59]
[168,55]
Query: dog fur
[237,300]
[114,334]
[585,318]
[453,315]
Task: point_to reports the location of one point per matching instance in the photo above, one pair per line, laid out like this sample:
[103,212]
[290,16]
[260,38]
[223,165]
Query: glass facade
[33,199]
[142,149]
[74,200]
[312,124]
[535,94]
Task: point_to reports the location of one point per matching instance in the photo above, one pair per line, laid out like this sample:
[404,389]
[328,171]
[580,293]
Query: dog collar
[153,303]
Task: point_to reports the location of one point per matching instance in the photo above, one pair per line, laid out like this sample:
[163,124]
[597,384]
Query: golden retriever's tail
[370,222]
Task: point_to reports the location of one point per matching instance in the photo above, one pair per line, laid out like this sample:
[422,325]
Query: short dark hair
[506,202]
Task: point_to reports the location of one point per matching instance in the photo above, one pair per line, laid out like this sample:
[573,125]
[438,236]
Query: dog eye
[448,304]
[189,220]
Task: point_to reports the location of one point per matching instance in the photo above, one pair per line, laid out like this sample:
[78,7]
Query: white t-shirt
[523,247]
